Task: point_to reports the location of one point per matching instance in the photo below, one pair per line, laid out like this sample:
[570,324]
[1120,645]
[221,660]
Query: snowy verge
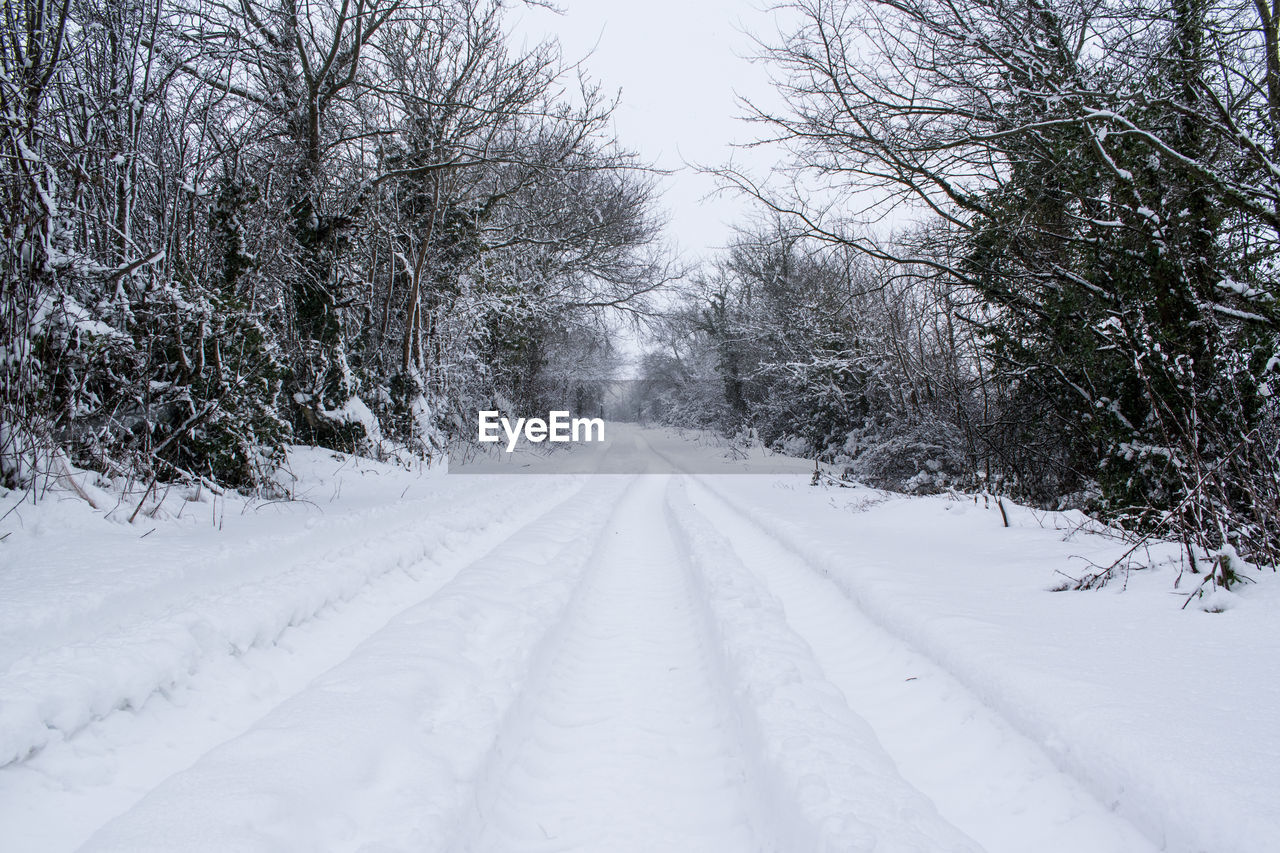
[48,693]
[844,791]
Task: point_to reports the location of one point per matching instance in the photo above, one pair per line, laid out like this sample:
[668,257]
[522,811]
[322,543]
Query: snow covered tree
[1103,176]
[32,48]
[825,354]
[233,225]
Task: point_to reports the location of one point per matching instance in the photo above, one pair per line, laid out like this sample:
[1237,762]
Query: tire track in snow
[131,751]
[379,752]
[822,780]
[986,777]
[623,739]
[52,696]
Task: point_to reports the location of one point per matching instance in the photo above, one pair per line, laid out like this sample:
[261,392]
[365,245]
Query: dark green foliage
[216,391]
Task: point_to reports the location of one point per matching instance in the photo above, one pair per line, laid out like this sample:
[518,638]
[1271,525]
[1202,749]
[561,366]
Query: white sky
[677,65]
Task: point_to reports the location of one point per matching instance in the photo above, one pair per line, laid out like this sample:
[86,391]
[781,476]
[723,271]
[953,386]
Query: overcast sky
[677,65]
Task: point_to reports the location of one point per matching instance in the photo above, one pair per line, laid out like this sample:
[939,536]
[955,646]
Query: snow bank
[133,622]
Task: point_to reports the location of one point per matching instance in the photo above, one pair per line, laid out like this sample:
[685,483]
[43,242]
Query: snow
[344,762]
[1163,714]
[65,310]
[980,773]
[99,619]
[696,659]
[354,411]
[1245,291]
[624,688]
[832,772]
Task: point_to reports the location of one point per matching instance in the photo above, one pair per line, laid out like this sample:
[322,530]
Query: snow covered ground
[696,659]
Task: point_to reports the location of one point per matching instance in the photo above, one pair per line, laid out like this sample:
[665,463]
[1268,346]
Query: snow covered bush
[195,272]
[915,460]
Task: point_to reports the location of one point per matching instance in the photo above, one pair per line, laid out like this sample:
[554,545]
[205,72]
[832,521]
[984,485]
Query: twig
[70,478]
[190,422]
[144,500]
[154,512]
[27,491]
[823,476]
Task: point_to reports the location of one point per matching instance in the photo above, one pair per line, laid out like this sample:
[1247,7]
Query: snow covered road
[623,740]
[610,663]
